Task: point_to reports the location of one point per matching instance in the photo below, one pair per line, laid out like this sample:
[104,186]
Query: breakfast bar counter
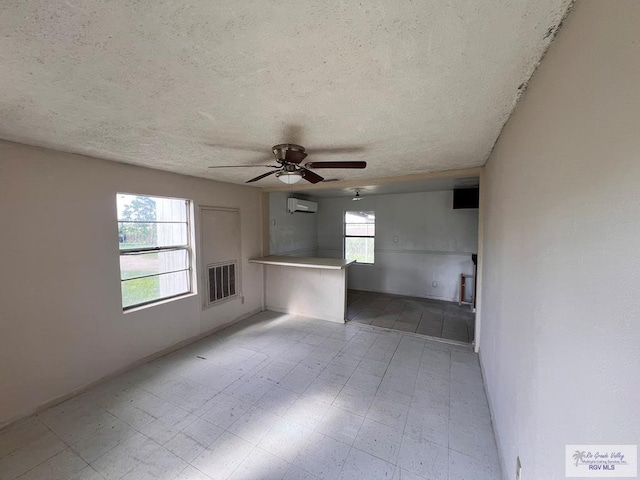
[307,286]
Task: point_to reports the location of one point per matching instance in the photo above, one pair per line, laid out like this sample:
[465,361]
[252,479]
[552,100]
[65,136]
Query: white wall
[434,242]
[291,234]
[61,319]
[561,316]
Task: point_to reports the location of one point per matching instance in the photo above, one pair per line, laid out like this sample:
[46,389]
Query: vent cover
[221,281]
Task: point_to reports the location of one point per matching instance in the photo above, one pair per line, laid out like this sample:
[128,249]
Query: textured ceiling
[409,86]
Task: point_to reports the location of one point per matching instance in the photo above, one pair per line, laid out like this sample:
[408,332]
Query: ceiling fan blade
[336,165]
[259,177]
[294,156]
[310,176]
[352,149]
[240,166]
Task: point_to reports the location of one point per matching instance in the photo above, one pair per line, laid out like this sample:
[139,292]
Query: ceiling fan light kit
[289,170]
[289,177]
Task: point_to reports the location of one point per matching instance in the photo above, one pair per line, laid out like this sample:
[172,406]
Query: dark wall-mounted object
[466,197]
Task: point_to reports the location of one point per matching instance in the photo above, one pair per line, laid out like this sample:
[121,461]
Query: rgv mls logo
[601,461]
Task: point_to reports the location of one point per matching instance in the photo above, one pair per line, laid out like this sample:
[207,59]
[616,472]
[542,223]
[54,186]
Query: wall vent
[222,281]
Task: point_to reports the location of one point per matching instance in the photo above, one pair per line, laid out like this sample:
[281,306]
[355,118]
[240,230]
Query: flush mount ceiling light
[357,197]
[289,177]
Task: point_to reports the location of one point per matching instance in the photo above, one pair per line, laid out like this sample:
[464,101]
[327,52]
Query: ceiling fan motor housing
[280,151]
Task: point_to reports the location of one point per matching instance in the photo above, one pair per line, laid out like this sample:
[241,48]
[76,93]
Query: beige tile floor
[273,397]
[434,318]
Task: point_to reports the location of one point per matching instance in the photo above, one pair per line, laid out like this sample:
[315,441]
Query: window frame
[345,236]
[187,248]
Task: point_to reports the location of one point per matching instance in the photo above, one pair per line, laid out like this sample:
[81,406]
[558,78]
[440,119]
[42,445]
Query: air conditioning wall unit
[297,205]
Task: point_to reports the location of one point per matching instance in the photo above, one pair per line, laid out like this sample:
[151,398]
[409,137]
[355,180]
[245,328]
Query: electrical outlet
[518,469]
[434,284]
[241,299]
[395,239]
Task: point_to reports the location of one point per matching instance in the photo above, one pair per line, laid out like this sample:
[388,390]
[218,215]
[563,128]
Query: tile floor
[273,397]
[434,318]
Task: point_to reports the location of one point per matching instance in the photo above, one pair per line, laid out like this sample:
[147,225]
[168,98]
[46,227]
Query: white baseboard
[493,421]
[442,299]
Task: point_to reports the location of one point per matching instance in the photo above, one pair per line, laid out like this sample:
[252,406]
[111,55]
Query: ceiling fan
[289,170]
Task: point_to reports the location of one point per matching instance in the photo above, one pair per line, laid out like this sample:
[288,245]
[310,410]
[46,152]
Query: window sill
[159,302]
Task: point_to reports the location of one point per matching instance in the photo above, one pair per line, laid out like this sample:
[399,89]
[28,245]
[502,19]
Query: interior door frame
[202,265]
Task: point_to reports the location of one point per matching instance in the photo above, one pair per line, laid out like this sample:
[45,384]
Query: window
[359,236]
[155,255]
